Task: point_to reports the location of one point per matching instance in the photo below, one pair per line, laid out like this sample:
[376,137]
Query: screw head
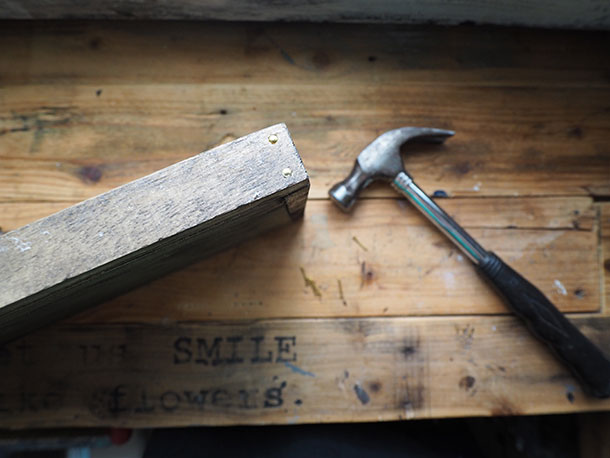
[273,139]
[287,172]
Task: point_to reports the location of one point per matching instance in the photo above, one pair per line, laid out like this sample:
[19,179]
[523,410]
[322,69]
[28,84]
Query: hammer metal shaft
[404,184]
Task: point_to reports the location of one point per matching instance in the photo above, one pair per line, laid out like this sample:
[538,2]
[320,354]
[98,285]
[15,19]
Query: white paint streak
[409,411]
[544,240]
[20,244]
[560,288]
[477,187]
[548,238]
[449,280]
[293,420]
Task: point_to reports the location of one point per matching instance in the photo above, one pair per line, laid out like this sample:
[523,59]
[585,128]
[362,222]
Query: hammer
[381,160]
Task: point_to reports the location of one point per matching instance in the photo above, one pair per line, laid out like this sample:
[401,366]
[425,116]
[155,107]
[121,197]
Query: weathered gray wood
[546,13]
[108,244]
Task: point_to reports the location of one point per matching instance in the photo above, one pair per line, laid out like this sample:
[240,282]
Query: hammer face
[345,193]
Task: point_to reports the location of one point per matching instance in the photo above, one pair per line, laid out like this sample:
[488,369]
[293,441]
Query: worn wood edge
[564,14]
[123,49]
[603,211]
[377,369]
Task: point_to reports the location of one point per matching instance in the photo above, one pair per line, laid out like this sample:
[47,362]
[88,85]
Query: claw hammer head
[381,161]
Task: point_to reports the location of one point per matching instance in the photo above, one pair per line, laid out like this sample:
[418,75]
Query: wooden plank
[286,371]
[74,95]
[384,259]
[524,213]
[82,152]
[102,53]
[123,238]
[547,13]
[327,234]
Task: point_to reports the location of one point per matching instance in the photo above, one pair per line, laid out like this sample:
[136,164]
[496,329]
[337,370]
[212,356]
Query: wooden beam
[125,237]
[470,164]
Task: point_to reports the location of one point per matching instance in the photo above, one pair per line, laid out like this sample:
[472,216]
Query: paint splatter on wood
[359,243]
[310,283]
[362,395]
[341,295]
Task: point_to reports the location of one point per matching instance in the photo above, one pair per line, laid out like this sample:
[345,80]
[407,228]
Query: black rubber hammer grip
[578,353]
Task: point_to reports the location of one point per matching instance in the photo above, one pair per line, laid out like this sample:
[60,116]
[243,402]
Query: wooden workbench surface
[359,317]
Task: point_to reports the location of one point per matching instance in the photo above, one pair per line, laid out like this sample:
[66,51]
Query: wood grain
[533,234]
[286,371]
[528,121]
[97,130]
[563,13]
[387,259]
[90,53]
[85,107]
[106,245]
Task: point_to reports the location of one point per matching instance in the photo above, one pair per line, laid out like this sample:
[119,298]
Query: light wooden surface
[84,108]
[406,268]
[123,238]
[543,13]
[528,120]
